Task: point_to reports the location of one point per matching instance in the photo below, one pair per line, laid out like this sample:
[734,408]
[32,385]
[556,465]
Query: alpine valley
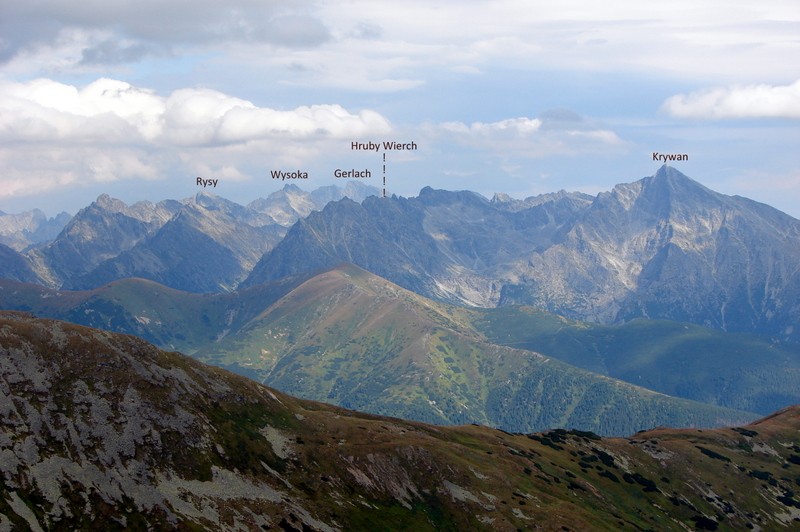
[586,319]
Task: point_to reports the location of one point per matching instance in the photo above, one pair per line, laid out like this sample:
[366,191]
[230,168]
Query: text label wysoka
[283,176]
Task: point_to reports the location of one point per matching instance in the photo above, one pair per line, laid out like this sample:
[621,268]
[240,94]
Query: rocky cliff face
[384,238]
[453,246]
[103,431]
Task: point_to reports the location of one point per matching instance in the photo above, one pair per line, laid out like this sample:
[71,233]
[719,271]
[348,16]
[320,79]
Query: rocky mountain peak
[20,231]
[662,196]
[205,199]
[106,202]
[670,180]
[291,203]
[359,191]
[291,187]
[506,202]
[501,197]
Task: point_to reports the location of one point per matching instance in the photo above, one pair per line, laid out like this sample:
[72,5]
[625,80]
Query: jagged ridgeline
[104,431]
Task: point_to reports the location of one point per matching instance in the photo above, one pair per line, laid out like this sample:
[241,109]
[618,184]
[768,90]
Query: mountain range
[209,245]
[201,244]
[554,319]
[377,329]
[104,431]
[662,247]
[351,338]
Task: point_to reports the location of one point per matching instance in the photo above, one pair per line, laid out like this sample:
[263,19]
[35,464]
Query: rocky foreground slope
[104,431]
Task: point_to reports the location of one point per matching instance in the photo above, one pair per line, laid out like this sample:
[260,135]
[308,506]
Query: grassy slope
[335,468]
[350,338]
[734,370]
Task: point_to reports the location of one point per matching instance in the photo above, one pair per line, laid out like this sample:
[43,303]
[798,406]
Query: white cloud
[751,101]
[204,116]
[554,132]
[53,134]
[105,111]
[686,37]
[520,126]
[110,111]
[30,169]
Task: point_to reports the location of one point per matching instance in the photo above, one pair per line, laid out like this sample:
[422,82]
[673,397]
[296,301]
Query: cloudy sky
[138,99]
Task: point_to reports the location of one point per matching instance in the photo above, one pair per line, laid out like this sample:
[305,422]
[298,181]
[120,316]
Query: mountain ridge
[346,330]
[752,374]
